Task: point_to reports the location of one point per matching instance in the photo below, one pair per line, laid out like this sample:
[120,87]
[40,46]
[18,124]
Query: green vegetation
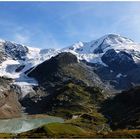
[80,101]
[56,130]
[78,104]
[95,121]
[66,130]
[6,135]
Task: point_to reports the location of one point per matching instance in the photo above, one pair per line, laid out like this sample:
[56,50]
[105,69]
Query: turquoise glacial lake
[18,125]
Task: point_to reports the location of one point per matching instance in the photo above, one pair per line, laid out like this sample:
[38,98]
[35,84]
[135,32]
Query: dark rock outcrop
[63,68]
[123,110]
[120,62]
[51,69]
[15,51]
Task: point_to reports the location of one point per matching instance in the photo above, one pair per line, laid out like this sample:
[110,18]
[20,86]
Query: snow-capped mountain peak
[94,50]
[109,41]
[112,41]
[89,51]
[116,39]
[2,40]
[16,59]
[76,46]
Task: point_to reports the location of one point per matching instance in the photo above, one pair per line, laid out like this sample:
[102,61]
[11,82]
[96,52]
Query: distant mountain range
[85,81]
[115,60]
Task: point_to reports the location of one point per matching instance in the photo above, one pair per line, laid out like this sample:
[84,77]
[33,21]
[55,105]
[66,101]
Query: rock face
[16,51]
[120,62]
[9,105]
[13,50]
[49,69]
[62,68]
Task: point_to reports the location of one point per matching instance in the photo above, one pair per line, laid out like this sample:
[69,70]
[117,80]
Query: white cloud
[49,41]
[21,38]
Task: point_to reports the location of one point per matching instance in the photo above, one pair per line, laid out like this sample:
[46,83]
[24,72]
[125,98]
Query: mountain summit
[113,58]
[110,41]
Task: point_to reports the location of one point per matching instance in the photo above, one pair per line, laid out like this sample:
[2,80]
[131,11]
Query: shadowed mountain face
[12,50]
[51,69]
[123,110]
[70,88]
[16,51]
[121,62]
[62,68]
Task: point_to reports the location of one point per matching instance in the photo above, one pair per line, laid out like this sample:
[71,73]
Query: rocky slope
[63,67]
[9,104]
[113,57]
[62,76]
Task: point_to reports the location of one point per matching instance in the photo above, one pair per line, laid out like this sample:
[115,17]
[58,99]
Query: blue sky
[60,24]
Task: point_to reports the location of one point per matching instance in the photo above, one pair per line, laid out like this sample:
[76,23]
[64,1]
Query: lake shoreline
[26,123]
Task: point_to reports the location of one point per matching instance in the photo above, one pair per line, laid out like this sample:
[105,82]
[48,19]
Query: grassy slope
[56,130]
[59,130]
[79,105]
